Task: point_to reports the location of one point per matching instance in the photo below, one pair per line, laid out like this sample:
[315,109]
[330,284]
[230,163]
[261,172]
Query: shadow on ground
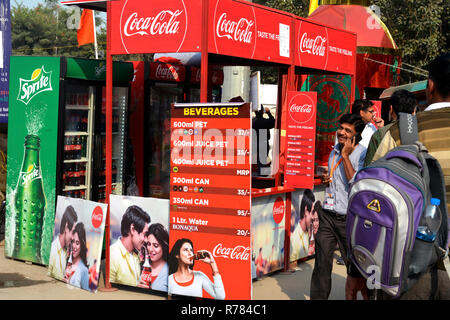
[17,280]
[296,285]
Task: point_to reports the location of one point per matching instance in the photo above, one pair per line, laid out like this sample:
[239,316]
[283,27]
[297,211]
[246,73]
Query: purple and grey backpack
[386,202]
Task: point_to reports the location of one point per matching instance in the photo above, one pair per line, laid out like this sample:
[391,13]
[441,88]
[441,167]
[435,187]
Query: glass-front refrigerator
[83,169]
[157,154]
[78,135]
[119,145]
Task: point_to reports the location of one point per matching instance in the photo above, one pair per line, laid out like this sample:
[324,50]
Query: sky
[28,3]
[34,3]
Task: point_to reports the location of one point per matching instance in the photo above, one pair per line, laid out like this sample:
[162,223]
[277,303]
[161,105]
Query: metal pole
[204,64]
[109,92]
[95,35]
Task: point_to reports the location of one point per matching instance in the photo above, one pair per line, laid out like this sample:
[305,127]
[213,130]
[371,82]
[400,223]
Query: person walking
[434,124]
[345,159]
[434,133]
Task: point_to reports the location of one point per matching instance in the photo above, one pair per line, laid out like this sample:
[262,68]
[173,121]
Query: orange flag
[85,33]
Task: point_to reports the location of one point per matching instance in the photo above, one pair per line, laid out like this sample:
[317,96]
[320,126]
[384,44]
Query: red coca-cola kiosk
[241,33]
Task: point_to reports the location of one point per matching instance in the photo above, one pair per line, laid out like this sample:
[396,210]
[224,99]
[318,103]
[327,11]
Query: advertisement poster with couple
[139,247]
[76,248]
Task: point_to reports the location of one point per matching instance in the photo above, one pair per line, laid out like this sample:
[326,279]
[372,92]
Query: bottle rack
[77,141]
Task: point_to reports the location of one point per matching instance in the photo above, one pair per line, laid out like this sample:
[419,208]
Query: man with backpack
[434,124]
[381,141]
[345,160]
[375,226]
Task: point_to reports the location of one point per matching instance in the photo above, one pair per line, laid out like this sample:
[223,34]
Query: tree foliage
[49,30]
[297,7]
[420,29]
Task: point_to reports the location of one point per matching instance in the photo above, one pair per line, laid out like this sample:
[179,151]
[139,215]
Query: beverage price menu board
[210,196]
[300,139]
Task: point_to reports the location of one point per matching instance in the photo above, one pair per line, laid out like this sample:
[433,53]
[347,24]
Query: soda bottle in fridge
[30,204]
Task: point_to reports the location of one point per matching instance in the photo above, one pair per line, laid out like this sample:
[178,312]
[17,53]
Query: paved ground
[23,281]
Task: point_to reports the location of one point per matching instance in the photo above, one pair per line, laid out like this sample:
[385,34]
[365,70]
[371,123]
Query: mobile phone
[357,138]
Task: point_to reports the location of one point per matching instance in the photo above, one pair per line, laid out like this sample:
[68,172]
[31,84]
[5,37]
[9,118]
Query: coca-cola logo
[97,217]
[235,30]
[306,108]
[278,210]
[165,72]
[165,22]
[159,22]
[315,46]
[234,253]
[146,277]
[301,108]
[312,45]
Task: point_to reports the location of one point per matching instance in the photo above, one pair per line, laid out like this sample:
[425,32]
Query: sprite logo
[40,81]
[32,173]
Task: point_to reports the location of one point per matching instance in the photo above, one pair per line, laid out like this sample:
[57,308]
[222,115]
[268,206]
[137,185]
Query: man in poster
[58,252]
[301,234]
[125,264]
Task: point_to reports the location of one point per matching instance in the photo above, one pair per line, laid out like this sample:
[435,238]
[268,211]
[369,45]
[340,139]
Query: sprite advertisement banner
[32,153]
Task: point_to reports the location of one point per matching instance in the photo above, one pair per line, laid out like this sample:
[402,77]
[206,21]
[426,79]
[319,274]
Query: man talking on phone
[365,109]
[346,158]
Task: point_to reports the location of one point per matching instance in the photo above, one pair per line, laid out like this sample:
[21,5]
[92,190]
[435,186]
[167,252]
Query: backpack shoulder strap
[437,189]
[407,124]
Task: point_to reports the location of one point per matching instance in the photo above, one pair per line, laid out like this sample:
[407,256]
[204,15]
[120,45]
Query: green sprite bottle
[30,204]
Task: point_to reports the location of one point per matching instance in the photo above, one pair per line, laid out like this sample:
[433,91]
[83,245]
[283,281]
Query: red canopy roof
[370,30]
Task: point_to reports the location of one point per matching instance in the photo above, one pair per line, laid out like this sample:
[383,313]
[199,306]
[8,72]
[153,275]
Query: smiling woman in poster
[183,280]
[77,273]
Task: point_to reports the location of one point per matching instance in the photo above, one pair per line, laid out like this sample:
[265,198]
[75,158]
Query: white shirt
[437,105]
[367,133]
[201,281]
